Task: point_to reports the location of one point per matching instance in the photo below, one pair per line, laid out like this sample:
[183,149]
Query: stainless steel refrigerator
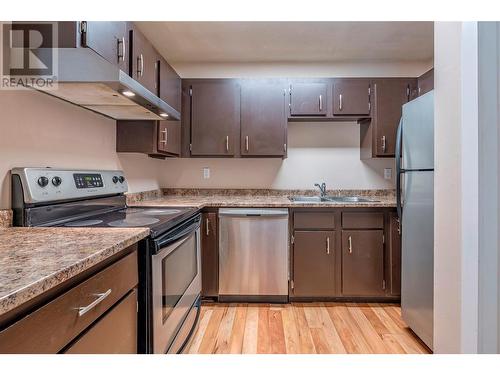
[415,203]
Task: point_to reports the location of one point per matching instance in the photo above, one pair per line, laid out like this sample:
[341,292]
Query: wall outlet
[388,173]
[206,173]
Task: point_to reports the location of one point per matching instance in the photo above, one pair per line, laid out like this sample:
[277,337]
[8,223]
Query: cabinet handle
[121,49]
[349,242]
[101,297]
[340,102]
[207,226]
[246,143]
[164,140]
[140,65]
[227,143]
[321,103]
[383,144]
[328,245]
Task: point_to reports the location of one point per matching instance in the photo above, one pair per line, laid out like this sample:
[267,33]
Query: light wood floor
[322,328]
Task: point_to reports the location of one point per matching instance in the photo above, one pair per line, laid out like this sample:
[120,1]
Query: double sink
[329,199]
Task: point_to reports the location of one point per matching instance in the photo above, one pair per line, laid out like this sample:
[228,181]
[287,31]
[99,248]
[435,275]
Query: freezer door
[417,274]
[418,133]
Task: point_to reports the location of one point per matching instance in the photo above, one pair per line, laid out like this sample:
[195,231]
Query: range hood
[88,80]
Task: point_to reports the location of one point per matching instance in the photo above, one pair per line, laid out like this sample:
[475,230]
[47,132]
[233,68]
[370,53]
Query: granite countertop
[35,260]
[217,198]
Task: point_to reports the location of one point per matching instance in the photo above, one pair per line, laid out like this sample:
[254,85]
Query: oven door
[176,282]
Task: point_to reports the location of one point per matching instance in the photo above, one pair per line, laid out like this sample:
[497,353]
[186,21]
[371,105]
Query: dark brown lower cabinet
[115,333]
[209,256]
[65,321]
[314,264]
[394,267]
[363,263]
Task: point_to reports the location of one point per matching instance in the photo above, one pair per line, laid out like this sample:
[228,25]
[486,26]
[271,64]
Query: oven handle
[170,238]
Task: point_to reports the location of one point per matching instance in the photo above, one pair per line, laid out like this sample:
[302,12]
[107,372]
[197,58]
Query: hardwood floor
[301,328]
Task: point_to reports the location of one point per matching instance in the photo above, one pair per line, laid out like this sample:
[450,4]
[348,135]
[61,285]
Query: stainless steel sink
[350,199]
[329,198]
[307,199]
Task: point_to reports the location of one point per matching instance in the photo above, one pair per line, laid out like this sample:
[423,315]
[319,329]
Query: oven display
[86,181]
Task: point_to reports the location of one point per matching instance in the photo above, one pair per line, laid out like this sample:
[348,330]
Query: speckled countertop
[260,198]
[34,260]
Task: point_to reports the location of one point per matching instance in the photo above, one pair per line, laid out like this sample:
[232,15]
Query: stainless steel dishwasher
[253,255]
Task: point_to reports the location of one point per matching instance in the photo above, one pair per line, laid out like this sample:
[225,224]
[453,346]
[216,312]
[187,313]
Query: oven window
[178,269]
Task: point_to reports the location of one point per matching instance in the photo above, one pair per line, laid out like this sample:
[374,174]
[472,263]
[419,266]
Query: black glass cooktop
[158,219]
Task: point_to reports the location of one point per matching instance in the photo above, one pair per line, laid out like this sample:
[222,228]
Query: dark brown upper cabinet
[215,117]
[209,255]
[169,88]
[158,139]
[308,98]
[351,97]
[314,263]
[108,39]
[426,82]
[143,60]
[263,118]
[389,96]
[363,263]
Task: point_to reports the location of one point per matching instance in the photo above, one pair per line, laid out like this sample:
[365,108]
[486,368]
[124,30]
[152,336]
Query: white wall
[287,69]
[317,152]
[466,259]
[447,188]
[38,130]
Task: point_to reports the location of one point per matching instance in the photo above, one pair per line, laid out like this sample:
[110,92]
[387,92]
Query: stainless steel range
[169,259]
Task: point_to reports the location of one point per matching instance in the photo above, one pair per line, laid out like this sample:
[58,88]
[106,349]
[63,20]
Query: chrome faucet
[322,188]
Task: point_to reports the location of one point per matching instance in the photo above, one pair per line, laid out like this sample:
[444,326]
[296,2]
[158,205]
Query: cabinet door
[308,99]
[144,61]
[115,333]
[351,97]
[263,119]
[426,82]
[170,85]
[389,97]
[215,118]
[314,264]
[169,137]
[209,256]
[363,263]
[108,39]
[395,255]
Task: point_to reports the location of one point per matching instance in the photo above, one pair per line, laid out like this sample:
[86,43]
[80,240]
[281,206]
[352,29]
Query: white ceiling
[235,42]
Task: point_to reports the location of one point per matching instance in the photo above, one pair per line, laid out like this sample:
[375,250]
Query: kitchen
[193,187]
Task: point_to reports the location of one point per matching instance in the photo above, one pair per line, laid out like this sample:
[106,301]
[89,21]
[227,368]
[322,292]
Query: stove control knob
[122,179]
[43,181]
[115,179]
[56,181]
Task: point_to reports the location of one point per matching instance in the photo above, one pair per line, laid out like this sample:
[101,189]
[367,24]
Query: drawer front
[54,325]
[363,220]
[314,220]
[115,333]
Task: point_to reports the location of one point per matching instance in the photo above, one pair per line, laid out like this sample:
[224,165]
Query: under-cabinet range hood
[86,79]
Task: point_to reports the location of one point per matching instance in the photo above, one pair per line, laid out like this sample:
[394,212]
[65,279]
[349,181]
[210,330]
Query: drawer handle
[101,297]
[349,240]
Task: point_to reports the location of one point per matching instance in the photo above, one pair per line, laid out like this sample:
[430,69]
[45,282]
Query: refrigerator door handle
[399,170]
